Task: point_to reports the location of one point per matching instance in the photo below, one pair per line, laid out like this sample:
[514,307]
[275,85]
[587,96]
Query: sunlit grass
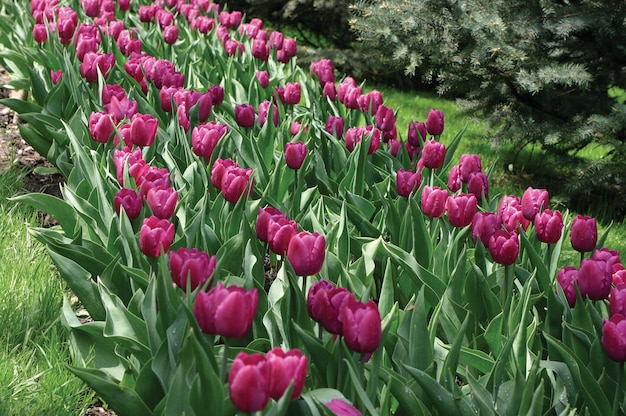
[33,344]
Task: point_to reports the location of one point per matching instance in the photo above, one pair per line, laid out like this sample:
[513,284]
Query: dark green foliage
[538,71]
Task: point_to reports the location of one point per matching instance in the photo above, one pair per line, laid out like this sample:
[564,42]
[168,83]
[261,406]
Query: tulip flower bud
[263,78]
[170,34]
[40,33]
[323,70]
[510,214]
[289,50]
[533,202]
[264,217]
[584,233]
[434,201]
[334,126]
[295,153]
[330,304]
[433,154]
[355,135]
[219,169]
[407,182]
[285,368]
[329,92]
[55,76]
[454,179]
[249,382]
[350,99]
[567,278]
[101,126]
[130,200]
[611,257]
[205,137]
[292,93]
[85,43]
[614,337]
[235,181]
[468,165]
[361,325]
[370,103]
[619,277]
[155,236]
[276,40]
[244,115]
[306,253]
[162,201]
[226,311]
[143,129]
[504,247]
[484,225]
[617,300]
[152,177]
[121,109]
[461,209]
[434,122]
[341,408]
[416,135]
[548,226]
[594,279]
[264,109]
[315,299]
[190,264]
[385,118]
[260,49]
[279,233]
[217,94]
[297,127]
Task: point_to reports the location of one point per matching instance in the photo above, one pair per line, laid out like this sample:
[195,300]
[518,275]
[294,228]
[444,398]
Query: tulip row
[187,131]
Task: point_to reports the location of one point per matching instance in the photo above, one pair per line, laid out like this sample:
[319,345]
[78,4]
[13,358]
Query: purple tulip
[315,301]
[143,129]
[285,368]
[484,225]
[101,126]
[190,264]
[226,311]
[235,182]
[361,325]
[614,337]
[279,234]
[162,201]
[434,122]
[584,233]
[306,253]
[334,126]
[407,182]
[594,279]
[548,226]
[433,154]
[249,382]
[130,200]
[469,164]
[205,137]
[341,408]
[295,153]
[461,209]
[617,300]
[155,236]
[504,247]
[330,304]
[567,278]
[434,201]
[533,202]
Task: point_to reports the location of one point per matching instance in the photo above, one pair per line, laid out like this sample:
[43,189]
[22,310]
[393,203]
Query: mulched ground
[15,152]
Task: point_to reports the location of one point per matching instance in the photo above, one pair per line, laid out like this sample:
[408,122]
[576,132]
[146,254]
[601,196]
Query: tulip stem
[506,290]
[224,361]
[618,389]
[304,286]
[362,370]
[340,364]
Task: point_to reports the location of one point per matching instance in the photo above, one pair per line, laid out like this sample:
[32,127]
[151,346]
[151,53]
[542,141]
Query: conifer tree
[539,70]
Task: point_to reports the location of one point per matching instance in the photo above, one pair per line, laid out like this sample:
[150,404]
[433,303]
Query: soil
[15,152]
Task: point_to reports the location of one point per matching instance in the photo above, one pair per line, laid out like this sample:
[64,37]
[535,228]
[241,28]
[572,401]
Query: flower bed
[248,236]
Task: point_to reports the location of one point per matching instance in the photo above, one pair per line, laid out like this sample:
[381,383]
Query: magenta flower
[292,93]
[235,182]
[295,153]
[329,305]
[454,178]
[504,247]
[244,115]
[260,49]
[434,201]
[263,78]
[469,164]
[407,182]
[285,368]
[548,226]
[143,129]
[614,337]
[101,126]
[264,111]
[249,382]
[567,278]
[617,300]
[584,233]
[264,217]
[315,301]
[461,209]
[94,61]
[226,311]
[205,137]
[155,236]
[484,225]
[279,234]
[434,122]
[370,102]
[361,323]
[191,264]
[334,126]
[130,200]
[416,135]
[341,408]
[433,154]
[533,202]
[385,119]
[218,170]
[170,34]
[306,253]
[594,279]
[162,201]
[323,70]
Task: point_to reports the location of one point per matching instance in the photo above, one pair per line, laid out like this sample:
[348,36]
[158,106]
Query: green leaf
[594,397]
[123,400]
[56,207]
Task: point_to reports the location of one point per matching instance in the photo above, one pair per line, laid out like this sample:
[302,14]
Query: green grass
[33,344]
